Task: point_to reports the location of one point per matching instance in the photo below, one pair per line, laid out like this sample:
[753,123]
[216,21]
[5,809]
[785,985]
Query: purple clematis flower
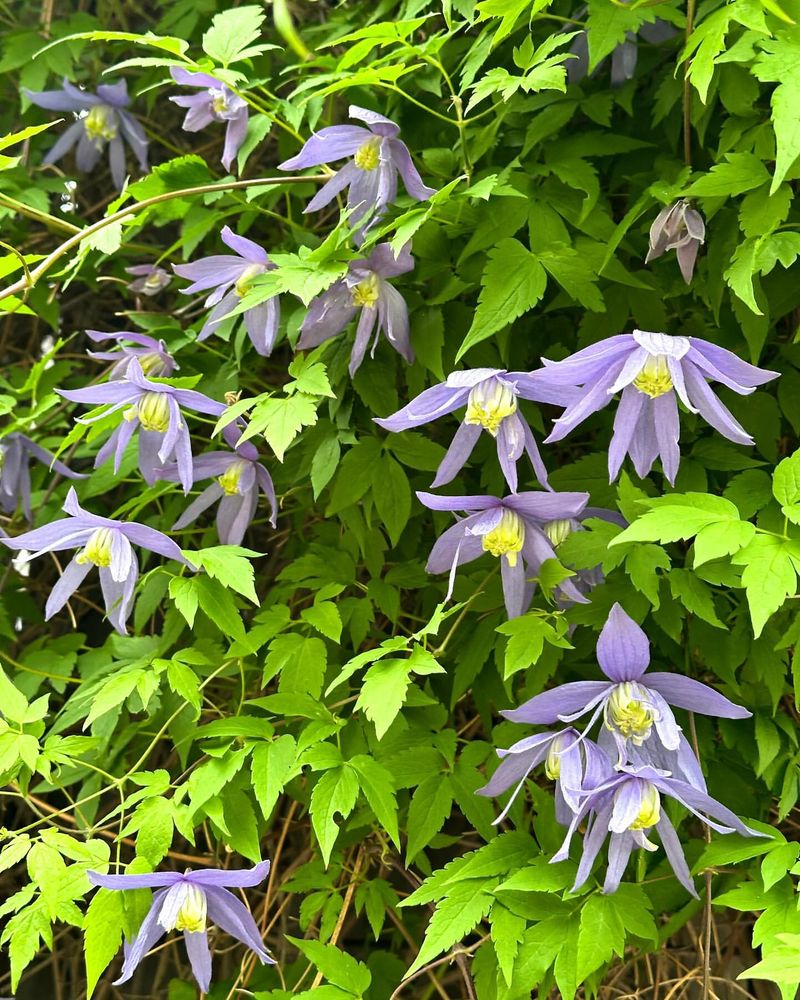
[213,103]
[511,529]
[231,278]
[490,396]
[154,409]
[103,543]
[378,156]
[238,478]
[16,451]
[149,279]
[681,228]
[628,806]
[153,357]
[102,119]
[634,708]
[652,370]
[363,288]
[573,762]
[185,902]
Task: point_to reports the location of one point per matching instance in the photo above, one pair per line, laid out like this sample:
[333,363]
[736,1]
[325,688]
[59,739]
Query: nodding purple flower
[231,278]
[238,478]
[574,763]
[653,371]
[187,902]
[378,156]
[103,543]
[364,288]
[153,357]
[628,806]
[680,228]
[215,102]
[490,396]
[149,279]
[102,120]
[635,708]
[511,529]
[16,451]
[152,408]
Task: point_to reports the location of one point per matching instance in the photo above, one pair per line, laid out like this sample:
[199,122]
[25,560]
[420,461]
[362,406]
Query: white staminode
[184,908]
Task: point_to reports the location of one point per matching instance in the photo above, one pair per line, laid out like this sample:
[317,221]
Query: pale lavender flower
[150,279]
[104,543]
[490,396]
[215,102]
[186,902]
[573,762]
[16,451]
[628,806]
[511,529]
[365,288]
[378,156]
[635,708]
[653,371]
[102,119]
[152,408]
[681,228]
[153,357]
[231,278]
[238,478]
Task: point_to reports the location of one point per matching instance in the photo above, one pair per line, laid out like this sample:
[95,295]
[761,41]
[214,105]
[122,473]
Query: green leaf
[113,692]
[430,806]
[502,301]
[507,932]
[392,496]
[769,577]
[718,540]
[271,766]
[739,172]
[334,795]
[466,904]
[694,595]
[183,593]
[325,618]
[608,25]
[786,480]
[102,934]
[280,419]
[601,934]
[678,516]
[336,966]
[230,564]
[232,32]
[641,564]
[310,377]
[527,636]
[218,605]
[377,785]
[779,63]
[301,661]
[383,693]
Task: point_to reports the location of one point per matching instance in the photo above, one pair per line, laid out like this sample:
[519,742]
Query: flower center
[489,403]
[654,379]
[552,763]
[368,156]
[649,811]
[152,411]
[152,364]
[192,914]
[366,293]
[245,282]
[630,712]
[98,549]
[101,124]
[507,538]
[154,279]
[557,531]
[229,480]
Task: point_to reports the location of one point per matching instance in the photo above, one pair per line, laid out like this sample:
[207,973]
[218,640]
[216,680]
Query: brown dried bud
[681,228]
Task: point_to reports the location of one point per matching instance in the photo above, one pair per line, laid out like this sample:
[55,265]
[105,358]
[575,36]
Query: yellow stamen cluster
[98,549]
[368,156]
[101,124]
[557,531]
[552,763]
[245,282]
[489,403]
[629,712]
[152,411]
[192,914]
[654,379]
[152,364]
[507,538]
[229,480]
[649,811]
[219,102]
[366,293]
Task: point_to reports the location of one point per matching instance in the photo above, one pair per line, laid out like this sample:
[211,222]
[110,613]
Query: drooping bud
[681,228]
[557,531]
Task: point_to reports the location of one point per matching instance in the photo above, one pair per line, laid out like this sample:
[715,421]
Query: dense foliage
[223,638]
